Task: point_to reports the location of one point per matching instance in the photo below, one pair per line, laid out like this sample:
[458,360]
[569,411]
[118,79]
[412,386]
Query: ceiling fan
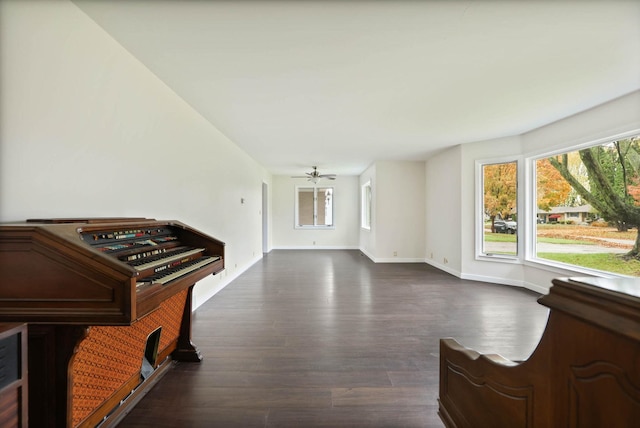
[315,176]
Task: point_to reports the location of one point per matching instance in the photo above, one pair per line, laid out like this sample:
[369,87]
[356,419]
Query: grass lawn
[580,235]
[607,262]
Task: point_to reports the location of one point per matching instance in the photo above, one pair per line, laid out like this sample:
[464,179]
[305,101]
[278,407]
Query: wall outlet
[395,254]
[446,261]
[431,256]
[314,242]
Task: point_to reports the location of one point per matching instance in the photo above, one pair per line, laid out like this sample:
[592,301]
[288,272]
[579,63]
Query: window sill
[502,258]
[569,270]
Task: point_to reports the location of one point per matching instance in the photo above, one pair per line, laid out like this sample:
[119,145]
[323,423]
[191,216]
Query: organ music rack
[92,292]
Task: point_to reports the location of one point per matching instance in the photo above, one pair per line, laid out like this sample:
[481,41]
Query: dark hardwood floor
[331,339]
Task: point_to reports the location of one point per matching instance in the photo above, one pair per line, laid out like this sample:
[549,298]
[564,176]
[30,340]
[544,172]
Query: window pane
[325,206]
[305,206]
[314,207]
[499,208]
[588,204]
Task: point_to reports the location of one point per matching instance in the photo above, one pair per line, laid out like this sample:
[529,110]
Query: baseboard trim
[490,279]
[493,280]
[373,259]
[537,288]
[444,268]
[225,279]
[392,259]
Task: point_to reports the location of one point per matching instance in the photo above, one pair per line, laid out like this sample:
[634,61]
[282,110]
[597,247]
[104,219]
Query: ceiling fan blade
[315,175]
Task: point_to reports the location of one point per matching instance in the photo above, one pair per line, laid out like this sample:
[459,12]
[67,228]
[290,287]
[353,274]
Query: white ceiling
[341,84]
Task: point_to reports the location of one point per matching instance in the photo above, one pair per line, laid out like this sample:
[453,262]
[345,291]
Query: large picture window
[314,207]
[588,207]
[499,211]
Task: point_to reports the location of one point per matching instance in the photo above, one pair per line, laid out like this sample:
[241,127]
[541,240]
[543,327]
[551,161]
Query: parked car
[505,226]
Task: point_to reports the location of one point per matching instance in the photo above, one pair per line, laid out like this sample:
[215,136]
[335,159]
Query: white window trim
[530,255]
[479,211]
[365,205]
[528,214]
[315,197]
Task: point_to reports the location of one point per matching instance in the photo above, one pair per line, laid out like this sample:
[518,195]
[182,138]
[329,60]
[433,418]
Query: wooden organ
[108,307]
[585,371]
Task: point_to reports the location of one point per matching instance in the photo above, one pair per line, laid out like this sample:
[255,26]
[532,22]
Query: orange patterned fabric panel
[111,355]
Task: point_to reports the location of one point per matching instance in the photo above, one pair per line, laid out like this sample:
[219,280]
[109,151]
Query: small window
[499,218]
[314,207]
[365,206]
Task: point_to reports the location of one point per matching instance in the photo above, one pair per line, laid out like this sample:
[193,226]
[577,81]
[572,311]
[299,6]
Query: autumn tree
[612,170]
[552,190]
[500,187]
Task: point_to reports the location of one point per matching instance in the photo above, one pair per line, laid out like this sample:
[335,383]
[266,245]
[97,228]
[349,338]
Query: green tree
[613,170]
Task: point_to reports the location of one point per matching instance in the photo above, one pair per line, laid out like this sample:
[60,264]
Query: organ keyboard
[155,253]
[98,271]
[99,288]
[176,271]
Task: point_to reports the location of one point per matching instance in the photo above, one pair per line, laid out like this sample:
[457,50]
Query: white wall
[87,130]
[444,215]
[397,212]
[346,216]
[400,211]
